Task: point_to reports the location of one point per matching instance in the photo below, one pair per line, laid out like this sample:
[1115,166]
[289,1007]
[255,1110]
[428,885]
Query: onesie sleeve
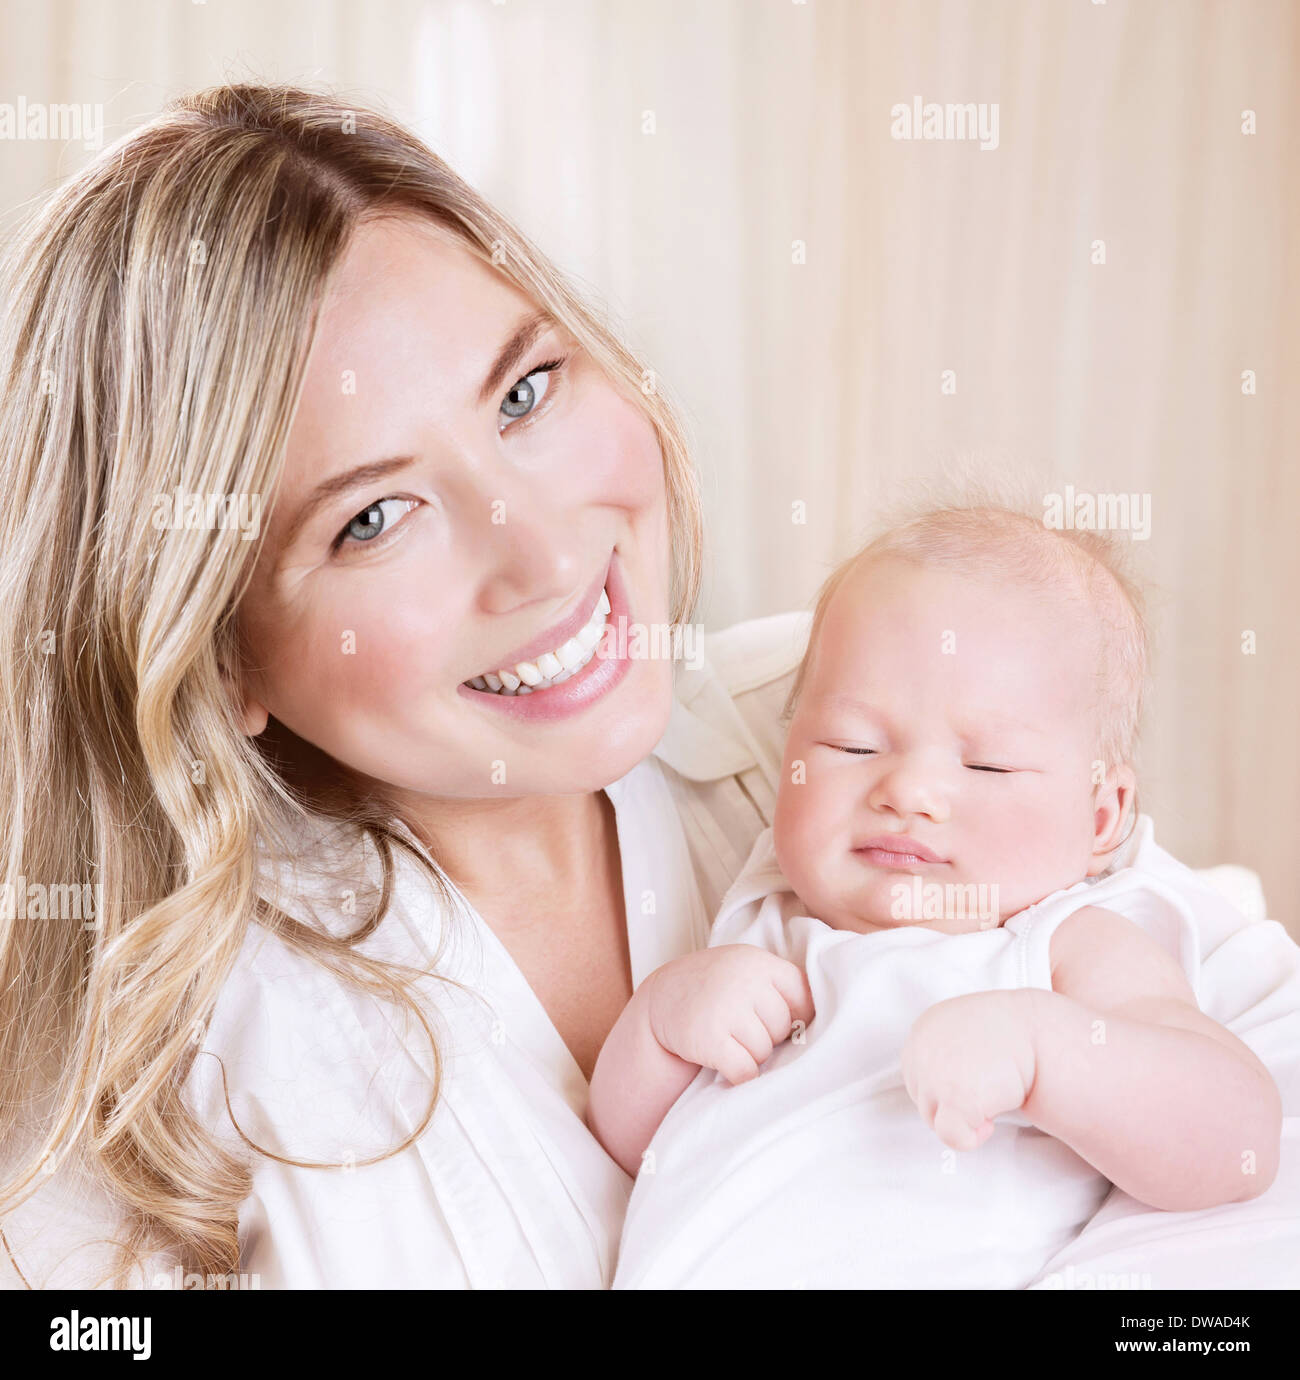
[1155,908]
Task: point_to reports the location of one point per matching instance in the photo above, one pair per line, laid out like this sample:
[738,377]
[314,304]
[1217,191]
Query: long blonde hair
[158,312]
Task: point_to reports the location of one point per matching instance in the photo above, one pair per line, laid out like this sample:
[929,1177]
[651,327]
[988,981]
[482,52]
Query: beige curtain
[724,174]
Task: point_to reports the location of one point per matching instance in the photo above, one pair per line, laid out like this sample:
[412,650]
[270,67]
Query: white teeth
[551,668]
[571,654]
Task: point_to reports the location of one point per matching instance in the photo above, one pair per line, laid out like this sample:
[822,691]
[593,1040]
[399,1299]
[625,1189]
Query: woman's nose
[528,552]
[911,788]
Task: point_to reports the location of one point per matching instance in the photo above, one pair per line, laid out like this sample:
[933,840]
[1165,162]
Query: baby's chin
[875,923]
[910,903]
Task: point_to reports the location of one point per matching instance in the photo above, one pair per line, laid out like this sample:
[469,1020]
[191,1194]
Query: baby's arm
[1166,1102]
[725,1008]
[1116,1060]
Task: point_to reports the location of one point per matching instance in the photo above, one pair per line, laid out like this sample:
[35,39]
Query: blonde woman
[321,484]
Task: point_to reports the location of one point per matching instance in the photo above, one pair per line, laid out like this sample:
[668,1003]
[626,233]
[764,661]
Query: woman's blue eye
[369,523]
[529,391]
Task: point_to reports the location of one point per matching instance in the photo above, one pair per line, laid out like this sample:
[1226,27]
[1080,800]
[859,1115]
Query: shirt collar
[704,740]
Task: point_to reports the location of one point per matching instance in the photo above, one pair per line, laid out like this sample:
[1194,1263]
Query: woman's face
[449,510]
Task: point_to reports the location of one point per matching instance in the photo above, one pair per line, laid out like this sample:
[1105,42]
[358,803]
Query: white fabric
[820,1172]
[507,1187]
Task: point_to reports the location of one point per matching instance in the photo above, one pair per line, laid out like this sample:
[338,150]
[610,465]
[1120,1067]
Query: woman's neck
[494,850]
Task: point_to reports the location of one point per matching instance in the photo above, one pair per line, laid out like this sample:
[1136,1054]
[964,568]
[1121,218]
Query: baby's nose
[909,789]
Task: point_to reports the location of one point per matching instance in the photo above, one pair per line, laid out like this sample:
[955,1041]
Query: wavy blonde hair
[158,312]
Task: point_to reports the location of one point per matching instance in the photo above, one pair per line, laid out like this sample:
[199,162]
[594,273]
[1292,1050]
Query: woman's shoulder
[285,1018]
[728,701]
[749,655]
[297,1056]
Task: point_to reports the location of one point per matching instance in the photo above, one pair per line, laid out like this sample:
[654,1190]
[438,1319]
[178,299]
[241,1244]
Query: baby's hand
[727,1008]
[968,1060]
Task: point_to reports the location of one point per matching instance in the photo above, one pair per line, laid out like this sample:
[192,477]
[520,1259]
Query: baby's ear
[1113,804]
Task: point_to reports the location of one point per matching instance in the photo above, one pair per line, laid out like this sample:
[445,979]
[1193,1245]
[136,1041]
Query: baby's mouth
[897,850]
[551,668]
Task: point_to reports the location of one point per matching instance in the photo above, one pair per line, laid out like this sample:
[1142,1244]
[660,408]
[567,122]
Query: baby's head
[971,690]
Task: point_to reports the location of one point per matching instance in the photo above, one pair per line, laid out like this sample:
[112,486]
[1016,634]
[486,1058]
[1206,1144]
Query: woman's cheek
[618,455]
[352,661]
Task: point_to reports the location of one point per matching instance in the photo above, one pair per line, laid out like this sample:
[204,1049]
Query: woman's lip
[559,634]
[582,689]
[897,848]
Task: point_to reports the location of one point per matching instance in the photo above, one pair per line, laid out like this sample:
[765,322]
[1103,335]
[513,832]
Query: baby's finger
[792,983]
[919,1090]
[983,1132]
[735,1063]
[771,1008]
[909,1075]
[954,1128]
[750,1032]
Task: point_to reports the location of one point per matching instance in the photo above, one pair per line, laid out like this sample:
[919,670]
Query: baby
[958,926]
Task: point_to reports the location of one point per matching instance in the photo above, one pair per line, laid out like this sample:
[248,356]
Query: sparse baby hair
[1088,569]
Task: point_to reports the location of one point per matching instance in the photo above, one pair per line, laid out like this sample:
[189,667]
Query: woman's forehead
[416,270]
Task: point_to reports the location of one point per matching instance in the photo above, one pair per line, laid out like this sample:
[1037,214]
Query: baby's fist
[967,1060]
[727,1008]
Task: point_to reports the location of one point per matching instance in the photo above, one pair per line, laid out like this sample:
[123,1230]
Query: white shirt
[820,1172]
[507,1187]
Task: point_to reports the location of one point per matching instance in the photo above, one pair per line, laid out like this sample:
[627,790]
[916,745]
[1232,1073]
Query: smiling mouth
[551,668]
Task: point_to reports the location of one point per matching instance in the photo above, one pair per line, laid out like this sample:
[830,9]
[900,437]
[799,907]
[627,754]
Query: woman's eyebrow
[512,351]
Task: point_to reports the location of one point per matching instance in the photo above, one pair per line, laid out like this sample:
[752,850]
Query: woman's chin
[625,729]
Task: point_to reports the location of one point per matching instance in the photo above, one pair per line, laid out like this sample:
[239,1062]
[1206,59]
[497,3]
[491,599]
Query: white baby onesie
[819,1172]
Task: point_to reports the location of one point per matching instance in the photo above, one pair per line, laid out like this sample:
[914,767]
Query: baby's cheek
[808,821]
[1035,839]
[791,831]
